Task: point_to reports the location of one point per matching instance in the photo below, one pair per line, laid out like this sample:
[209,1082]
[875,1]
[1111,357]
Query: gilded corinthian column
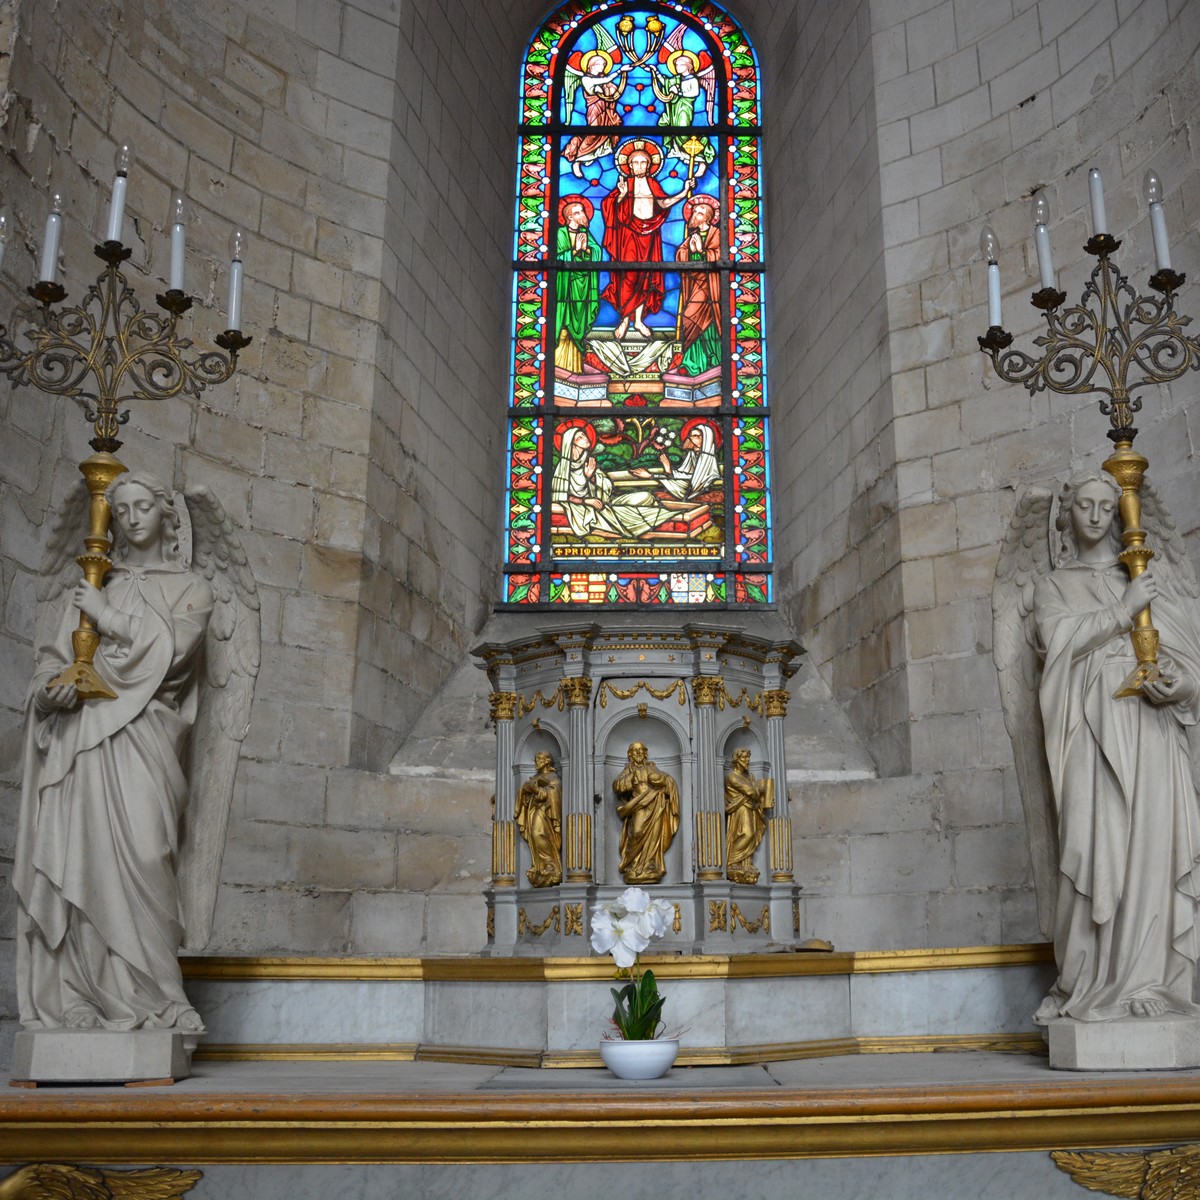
[577,798]
[504,829]
[775,704]
[709,804]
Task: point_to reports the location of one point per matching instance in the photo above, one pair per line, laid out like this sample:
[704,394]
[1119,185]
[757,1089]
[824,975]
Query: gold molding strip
[689,1056]
[674,1124]
[307,1052]
[666,966]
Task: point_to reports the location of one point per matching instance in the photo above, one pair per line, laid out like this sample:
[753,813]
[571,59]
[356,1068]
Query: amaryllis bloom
[619,936]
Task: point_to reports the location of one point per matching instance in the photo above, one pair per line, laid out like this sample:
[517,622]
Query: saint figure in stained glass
[699,330]
[577,292]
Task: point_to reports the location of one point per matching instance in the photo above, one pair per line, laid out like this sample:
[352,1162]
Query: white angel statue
[125,802]
[1108,787]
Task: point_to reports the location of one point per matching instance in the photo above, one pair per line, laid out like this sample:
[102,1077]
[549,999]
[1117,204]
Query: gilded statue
[747,802]
[648,805]
[125,801]
[1108,786]
[538,814]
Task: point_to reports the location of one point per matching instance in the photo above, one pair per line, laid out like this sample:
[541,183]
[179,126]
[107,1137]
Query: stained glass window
[638,454]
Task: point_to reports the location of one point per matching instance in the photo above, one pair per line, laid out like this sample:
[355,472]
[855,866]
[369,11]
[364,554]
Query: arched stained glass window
[637,451]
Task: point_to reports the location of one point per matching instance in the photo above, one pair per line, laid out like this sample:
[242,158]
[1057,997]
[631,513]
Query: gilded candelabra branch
[1111,344]
[108,350]
[1094,346]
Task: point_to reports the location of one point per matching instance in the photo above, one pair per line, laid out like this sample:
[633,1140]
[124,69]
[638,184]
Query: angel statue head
[1087,506]
[145,520]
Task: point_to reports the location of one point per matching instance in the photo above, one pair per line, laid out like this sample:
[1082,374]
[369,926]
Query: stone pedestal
[101,1056]
[1130,1044]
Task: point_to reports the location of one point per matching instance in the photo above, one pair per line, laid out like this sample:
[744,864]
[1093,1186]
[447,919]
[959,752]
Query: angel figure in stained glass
[687,74]
[602,77]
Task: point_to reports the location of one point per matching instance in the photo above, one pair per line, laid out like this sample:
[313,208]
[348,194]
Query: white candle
[1041,239]
[236,241]
[5,225]
[989,245]
[1096,195]
[1153,188]
[48,272]
[116,207]
[178,223]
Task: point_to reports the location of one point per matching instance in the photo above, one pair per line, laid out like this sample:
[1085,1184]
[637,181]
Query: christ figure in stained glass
[634,212]
[577,292]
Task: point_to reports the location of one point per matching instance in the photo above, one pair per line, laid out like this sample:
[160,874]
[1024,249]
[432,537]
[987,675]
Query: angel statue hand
[1170,688]
[58,696]
[1139,593]
[88,599]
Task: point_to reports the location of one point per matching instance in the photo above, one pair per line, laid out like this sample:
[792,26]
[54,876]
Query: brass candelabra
[1113,343]
[105,352]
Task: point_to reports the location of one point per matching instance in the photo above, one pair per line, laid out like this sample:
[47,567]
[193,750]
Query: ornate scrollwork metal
[130,353]
[1094,345]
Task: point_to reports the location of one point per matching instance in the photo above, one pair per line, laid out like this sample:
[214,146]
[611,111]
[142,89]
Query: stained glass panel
[638,452]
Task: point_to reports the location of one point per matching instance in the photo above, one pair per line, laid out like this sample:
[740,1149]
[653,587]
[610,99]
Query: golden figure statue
[648,805]
[747,801]
[538,814]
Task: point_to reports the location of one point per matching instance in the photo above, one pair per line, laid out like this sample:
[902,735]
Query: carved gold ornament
[525,925]
[718,916]
[577,690]
[708,689]
[1142,1174]
[503,705]
[607,689]
[775,702]
[574,920]
[554,700]
[736,918]
[57,1181]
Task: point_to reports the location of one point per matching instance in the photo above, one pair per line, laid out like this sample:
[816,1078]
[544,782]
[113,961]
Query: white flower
[617,935]
[632,900]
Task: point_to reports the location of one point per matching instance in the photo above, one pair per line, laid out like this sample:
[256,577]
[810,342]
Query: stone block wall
[990,102]
[836,526]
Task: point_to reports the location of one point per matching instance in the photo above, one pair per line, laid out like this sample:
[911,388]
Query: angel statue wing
[227,675]
[59,569]
[58,1181]
[1162,536]
[1138,1174]
[1024,558]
